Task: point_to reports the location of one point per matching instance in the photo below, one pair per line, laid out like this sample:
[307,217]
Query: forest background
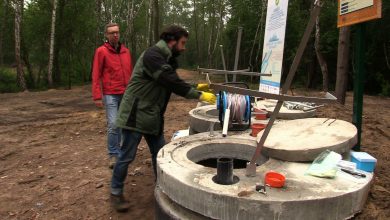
[50,43]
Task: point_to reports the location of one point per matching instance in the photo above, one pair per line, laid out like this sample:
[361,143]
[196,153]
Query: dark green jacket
[153,80]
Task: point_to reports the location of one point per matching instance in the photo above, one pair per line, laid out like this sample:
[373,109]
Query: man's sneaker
[119,203]
[112,162]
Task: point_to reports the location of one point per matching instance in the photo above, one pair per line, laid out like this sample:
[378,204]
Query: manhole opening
[212,112]
[212,163]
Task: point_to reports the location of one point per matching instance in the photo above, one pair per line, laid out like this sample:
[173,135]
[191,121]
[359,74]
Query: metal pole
[223,62]
[251,166]
[237,51]
[358,86]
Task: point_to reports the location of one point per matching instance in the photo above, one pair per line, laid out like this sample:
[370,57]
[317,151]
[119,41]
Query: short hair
[110,25]
[173,32]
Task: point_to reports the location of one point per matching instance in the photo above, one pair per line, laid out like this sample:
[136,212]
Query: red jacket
[111,70]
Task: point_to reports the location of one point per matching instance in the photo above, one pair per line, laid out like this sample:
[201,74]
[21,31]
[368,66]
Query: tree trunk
[130,23]
[26,60]
[343,63]
[212,27]
[386,55]
[255,39]
[311,66]
[203,46]
[2,30]
[262,23]
[132,13]
[18,5]
[320,57]
[219,26]
[195,16]
[51,50]
[156,21]
[98,11]
[19,68]
[150,30]
[57,74]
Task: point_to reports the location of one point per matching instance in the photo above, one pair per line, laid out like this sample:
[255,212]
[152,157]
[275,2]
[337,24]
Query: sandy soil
[53,162]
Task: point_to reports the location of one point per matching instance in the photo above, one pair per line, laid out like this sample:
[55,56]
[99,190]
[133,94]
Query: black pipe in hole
[225,172]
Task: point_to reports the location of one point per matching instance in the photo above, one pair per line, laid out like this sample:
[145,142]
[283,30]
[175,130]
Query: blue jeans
[112,103]
[130,142]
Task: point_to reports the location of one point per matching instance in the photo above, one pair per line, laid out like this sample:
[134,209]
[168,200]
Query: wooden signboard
[358,11]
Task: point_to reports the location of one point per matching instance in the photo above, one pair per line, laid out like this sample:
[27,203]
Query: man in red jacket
[111,71]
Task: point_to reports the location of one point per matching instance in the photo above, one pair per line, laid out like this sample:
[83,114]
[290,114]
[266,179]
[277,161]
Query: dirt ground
[53,162]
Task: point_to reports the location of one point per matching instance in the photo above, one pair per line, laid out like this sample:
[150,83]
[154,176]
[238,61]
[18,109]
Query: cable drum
[239,106]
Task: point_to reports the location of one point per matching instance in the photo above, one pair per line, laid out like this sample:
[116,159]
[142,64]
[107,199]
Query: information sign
[357,11]
[273,48]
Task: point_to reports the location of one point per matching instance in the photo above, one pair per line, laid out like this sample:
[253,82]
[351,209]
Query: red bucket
[256,128]
[260,114]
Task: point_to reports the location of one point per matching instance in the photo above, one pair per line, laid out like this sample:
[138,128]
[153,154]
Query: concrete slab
[305,139]
[284,112]
[190,185]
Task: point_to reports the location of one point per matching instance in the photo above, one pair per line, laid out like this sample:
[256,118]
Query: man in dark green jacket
[143,105]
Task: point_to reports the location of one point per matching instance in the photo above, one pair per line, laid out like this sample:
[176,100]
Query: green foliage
[80,29]
[8,80]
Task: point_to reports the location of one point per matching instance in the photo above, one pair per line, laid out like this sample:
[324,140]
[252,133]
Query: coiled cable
[239,106]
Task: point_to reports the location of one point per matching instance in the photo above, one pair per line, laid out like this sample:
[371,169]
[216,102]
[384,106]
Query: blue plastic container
[363,161]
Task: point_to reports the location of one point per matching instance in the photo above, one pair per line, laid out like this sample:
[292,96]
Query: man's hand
[208,97]
[203,87]
[99,103]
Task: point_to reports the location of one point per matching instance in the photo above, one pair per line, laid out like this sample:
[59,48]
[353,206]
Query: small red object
[260,114]
[256,128]
[274,179]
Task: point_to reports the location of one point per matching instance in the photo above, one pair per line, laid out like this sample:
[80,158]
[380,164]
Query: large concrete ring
[303,140]
[202,117]
[166,209]
[190,185]
[284,112]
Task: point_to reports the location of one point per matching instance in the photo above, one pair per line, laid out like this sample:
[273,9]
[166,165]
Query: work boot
[119,203]
[112,162]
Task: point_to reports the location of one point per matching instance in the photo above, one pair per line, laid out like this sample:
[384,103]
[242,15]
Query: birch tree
[320,57]
[51,50]
[18,6]
[149,22]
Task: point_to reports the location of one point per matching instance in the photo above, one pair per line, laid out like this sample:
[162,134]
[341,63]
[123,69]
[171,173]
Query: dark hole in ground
[212,163]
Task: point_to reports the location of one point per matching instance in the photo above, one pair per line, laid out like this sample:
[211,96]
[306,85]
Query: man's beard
[175,51]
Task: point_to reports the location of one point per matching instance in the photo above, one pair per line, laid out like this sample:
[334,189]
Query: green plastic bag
[325,165]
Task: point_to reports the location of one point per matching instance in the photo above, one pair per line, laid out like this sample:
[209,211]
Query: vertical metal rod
[223,62]
[358,86]
[251,166]
[237,52]
[212,123]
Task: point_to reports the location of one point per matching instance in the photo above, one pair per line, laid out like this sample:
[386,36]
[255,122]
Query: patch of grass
[8,80]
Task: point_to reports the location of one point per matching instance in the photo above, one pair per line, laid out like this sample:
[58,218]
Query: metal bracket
[232,89]
[239,72]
